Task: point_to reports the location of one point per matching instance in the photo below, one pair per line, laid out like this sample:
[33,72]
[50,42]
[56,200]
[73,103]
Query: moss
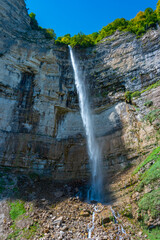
[17,209]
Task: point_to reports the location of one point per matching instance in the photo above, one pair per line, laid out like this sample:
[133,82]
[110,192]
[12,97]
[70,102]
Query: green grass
[29,233]
[17,212]
[149,176]
[150,202]
[14,235]
[17,209]
[19,234]
[153,234]
[153,156]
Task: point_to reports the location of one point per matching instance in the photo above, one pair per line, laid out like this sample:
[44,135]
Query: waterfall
[95,192]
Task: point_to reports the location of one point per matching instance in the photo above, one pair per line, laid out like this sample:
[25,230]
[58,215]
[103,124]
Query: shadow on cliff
[31,187]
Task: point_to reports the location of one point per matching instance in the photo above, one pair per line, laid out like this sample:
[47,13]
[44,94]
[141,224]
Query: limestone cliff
[40,125]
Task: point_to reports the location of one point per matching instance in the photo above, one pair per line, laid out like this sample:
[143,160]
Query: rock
[24,223]
[85,213]
[64,228]
[58,221]
[58,194]
[105,216]
[38,97]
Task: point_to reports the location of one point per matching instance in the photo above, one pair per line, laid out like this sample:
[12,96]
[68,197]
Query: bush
[34,23]
[127,96]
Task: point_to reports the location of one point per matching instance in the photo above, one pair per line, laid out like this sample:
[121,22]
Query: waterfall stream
[95,192]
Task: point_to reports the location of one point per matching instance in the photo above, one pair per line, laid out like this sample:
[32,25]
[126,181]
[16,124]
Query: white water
[95,192]
[120,228]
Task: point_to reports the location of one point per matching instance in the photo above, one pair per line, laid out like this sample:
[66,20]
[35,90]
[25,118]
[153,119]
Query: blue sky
[87,16]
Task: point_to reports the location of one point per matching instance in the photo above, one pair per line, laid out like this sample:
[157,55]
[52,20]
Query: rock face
[40,124]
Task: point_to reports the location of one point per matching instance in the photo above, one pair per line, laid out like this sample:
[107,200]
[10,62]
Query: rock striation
[40,125]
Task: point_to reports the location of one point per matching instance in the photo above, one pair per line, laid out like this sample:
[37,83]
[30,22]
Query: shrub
[34,23]
[49,33]
[127,96]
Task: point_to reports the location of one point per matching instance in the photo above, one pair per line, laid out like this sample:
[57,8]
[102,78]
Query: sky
[87,16]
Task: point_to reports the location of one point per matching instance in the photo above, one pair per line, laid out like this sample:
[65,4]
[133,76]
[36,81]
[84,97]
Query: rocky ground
[34,208]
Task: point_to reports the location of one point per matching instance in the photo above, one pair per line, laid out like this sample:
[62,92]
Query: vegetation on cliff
[149,192]
[49,33]
[142,22]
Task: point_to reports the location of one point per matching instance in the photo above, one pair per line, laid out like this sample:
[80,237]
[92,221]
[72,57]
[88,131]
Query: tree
[158,10]
[34,23]
[49,33]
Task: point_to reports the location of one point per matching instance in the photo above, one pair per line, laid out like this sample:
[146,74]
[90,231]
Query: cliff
[40,125]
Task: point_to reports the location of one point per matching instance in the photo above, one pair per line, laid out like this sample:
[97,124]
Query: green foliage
[158,10]
[118,24]
[138,25]
[29,233]
[79,40]
[25,233]
[14,234]
[49,33]
[34,23]
[150,201]
[17,209]
[136,94]
[128,97]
